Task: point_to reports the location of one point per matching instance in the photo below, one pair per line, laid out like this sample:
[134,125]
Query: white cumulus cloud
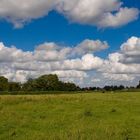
[83,67]
[101,13]
[18,65]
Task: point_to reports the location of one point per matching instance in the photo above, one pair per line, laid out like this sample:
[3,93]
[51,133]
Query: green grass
[70,117]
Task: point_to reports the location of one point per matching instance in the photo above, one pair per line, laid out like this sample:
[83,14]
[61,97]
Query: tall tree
[3,83]
[30,85]
[47,82]
[138,86]
[13,86]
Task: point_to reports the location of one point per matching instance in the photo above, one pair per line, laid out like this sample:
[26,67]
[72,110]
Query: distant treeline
[112,88]
[51,82]
[43,83]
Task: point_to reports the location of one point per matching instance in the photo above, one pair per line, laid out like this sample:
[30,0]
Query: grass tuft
[88,113]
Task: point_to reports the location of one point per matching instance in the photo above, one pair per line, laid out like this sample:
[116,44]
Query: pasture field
[86,116]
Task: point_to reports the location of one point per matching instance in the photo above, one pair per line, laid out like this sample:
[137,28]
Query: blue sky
[59,28]
[56,28]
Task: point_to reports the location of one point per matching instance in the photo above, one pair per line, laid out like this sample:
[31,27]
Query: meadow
[82,116]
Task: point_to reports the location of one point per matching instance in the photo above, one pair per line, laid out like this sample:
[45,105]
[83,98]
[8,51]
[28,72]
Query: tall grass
[70,117]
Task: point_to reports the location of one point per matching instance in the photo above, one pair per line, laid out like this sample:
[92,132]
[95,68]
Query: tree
[48,82]
[3,83]
[30,85]
[68,87]
[121,87]
[138,86]
[14,86]
[108,88]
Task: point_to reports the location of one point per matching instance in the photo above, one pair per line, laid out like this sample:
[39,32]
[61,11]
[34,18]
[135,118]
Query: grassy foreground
[70,117]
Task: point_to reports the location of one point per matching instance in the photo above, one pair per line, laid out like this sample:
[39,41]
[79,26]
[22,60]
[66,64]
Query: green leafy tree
[68,87]
[138,86]
[14,86]
[3,83]
[48,82]
[30,85]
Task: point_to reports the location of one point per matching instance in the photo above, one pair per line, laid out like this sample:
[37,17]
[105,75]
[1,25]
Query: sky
[89,42]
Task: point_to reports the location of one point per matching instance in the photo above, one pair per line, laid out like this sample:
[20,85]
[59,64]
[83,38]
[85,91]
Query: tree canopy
[3,83]
[51,82]
[138,86]
[48,83]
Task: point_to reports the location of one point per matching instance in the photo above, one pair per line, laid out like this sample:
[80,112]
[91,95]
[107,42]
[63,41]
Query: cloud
[108,13]
[50,57]
[119,77]
[96,80]
[13,54]
[20,12]
[71,74]
[131,51]
[116,67]
[120,18]
[78,64]
[101,13]
[90,46]
[51,51]
[123,65]
[86,63]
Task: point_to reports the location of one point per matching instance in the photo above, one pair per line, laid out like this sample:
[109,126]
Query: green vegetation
[50,83]
[3,84]
[43,83]
[70,117]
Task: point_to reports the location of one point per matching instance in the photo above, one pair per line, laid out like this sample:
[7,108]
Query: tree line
[43,83]
[51,82]
[112,88]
